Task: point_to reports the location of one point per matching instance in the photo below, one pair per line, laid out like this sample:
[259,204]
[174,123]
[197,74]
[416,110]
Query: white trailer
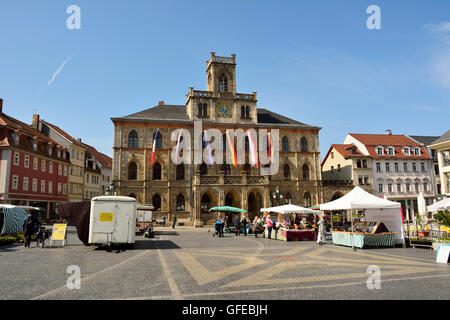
[112,220]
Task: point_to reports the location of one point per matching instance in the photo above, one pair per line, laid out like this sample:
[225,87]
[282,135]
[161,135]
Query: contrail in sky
[58,71]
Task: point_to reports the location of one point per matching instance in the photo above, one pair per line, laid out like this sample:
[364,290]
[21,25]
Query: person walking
[237,226]
[219,226]
[28,227]
[269,226]
[244,224]
[256,226]
[174,221]
[164,221]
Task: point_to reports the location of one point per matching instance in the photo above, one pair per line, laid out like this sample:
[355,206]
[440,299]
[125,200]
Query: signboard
[443,254]
[145,216]
[59,232]
[106,216]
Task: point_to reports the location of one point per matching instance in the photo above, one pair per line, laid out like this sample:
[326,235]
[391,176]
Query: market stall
[373,221]
[229,215]
[291,227]
[12,218]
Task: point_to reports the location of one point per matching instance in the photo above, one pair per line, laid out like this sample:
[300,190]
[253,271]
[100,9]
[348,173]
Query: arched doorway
[232,199]
[254,205]
[336,196]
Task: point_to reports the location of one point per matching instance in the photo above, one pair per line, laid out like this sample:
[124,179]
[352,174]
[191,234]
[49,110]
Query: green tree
[443,217]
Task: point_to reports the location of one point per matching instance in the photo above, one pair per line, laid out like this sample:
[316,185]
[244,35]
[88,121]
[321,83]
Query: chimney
[388,132]
[1,105]
[161,103]
[35,124]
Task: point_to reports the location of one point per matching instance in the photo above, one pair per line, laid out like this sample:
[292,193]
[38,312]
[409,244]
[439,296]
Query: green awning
[146,207]
[227,209]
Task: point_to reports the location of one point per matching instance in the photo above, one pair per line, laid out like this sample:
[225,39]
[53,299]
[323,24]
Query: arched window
[205,204]
[307,199]
[223,84]
[157,171]
[133,140]
[285,144]
[132,171]
[156,201]
[200,110]
[246,144]
[180,203]
[247,112]
[287,172]
[247,168]
[288,198]
[205,110]
[203,169]
[158,140]
[304,145]
[180,172]
[224,144]
[305,172]
[242,112]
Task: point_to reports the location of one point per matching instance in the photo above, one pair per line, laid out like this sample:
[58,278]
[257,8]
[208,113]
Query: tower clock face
[225,111]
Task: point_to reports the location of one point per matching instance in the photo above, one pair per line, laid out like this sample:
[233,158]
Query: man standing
[244,224]
[28,226]
[237,225]
[174,221]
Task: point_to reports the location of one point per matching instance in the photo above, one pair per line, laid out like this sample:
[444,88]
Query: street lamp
[276,195]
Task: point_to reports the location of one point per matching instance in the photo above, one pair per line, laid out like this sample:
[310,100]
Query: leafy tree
[443,217]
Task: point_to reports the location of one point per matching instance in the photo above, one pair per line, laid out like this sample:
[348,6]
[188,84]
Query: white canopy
[288,208]
[441,205]
[358,199]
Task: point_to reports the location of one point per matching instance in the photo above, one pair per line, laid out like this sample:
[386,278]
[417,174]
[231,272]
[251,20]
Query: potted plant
[421,222]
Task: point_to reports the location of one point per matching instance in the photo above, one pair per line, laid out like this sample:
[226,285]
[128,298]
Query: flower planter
[424,233]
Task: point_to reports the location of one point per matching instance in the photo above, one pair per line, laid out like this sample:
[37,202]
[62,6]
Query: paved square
[191,264]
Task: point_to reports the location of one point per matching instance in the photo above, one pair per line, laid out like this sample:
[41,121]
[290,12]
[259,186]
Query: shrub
[443,217]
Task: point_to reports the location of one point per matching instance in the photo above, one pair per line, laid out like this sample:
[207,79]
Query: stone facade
[243,186]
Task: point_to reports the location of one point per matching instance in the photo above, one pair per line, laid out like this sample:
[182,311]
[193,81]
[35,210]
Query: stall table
[292,235]
[362,240]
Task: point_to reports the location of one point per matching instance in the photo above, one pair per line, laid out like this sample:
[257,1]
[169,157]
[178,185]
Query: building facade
[402,168]
[346,166]
[33,167]
[442,146]
[189,190]
[76,153]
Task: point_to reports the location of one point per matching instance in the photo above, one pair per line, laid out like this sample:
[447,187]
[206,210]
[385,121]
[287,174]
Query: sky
[314,61]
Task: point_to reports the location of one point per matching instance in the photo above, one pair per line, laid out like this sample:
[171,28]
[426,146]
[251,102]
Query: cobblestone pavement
[188,263]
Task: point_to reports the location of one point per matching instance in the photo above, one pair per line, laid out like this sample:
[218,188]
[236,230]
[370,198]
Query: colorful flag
[269,142]
[178,145]
[253,153]
[154,146]
[208,150]
[233,151]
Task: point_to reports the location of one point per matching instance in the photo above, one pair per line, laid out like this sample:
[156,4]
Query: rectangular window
[35,163]
[380,188]
[25,183]
[26,161]
[389,187]
[399,187]
[416,186]
[391,151]
[366,179]
[405,166]
[16,158]
[65,171]
[59,188]
[425,187]
[59,170]
[378,167]
[64,188]
[43,166]
[388,167]
[364,163]
[34,185]
[380,151]
[414,168]
[42,186]
[50,187]
[397,169]
[422,166]
[358,163]
[360,180]
[408,187]
[15,182]
[50,167]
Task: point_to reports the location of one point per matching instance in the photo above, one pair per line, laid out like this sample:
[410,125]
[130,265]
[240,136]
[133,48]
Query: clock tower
[220,103]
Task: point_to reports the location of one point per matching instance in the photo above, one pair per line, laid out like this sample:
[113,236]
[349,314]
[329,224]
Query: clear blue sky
[314,61]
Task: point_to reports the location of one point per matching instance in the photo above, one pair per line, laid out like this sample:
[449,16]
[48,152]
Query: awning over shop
[227,209]
[288,208]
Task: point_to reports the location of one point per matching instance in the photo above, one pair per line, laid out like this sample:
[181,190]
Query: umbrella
[441,205]
[227,209]
[421,205]
[288,208]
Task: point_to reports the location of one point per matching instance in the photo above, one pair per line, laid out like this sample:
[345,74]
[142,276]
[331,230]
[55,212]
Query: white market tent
[288,208]
[441,205]
[375,209]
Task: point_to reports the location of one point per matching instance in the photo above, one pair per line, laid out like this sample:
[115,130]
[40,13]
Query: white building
[402,168]
[442,146]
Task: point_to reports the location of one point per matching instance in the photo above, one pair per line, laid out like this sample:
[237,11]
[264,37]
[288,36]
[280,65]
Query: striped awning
[145,207]
[14,219]
[227,209]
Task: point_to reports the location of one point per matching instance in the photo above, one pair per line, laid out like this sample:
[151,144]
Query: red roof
[347,151]
[371,141]
[63,133]
[102,158]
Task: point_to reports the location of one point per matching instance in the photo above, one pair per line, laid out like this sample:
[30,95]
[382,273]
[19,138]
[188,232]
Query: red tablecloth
[299,235]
